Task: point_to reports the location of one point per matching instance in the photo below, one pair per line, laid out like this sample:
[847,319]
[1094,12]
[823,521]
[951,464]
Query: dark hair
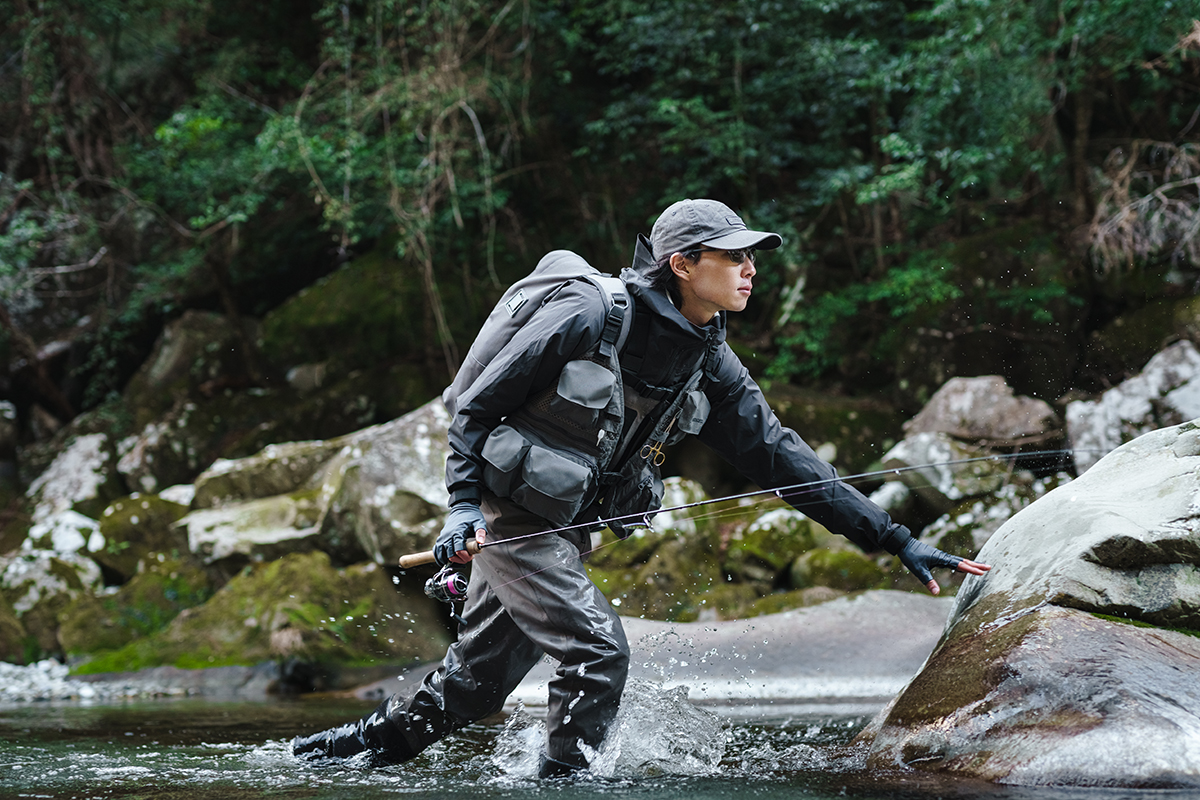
[663,278]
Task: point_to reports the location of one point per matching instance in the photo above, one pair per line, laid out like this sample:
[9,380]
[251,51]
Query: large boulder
[984,410]
[1077,643]
[374,494]
[1165,393]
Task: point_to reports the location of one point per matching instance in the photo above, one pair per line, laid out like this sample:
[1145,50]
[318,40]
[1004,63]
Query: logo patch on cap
[735,221]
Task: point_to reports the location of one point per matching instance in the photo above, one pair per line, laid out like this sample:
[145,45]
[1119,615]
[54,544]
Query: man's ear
[681,266]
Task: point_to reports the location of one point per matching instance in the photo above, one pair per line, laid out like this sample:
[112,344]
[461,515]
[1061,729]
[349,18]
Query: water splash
[656,732]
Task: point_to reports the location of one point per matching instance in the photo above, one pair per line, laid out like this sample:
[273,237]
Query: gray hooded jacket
[516,391]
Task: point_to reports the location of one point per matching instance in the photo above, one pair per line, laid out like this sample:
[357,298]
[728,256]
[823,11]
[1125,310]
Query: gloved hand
[461,523]
[921,557]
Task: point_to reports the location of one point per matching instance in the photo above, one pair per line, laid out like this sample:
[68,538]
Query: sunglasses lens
[738,256]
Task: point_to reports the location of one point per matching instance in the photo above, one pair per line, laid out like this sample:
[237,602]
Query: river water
[662,747]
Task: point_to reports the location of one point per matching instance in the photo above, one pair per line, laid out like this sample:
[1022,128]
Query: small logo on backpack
[514,303]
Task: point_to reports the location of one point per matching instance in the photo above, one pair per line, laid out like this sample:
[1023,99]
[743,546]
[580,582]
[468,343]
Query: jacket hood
[637,278]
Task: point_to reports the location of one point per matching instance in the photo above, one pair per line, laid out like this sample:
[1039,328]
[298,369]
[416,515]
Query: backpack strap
[619,317]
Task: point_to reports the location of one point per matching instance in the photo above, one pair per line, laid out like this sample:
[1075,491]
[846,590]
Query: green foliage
[830,326]
[207,147]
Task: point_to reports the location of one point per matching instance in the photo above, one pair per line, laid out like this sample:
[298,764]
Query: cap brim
[739,240]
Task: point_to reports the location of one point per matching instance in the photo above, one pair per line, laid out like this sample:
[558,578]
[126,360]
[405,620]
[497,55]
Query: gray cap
[690,223]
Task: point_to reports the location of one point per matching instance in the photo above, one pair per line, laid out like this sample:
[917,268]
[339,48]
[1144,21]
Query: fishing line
[782,493]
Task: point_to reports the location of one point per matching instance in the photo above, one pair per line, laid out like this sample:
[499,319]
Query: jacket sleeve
[744,430]
[566,327]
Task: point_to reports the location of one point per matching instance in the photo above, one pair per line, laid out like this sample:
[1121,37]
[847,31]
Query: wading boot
[374,734]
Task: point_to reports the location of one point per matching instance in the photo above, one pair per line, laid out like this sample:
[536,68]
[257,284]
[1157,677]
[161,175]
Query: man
[553,434]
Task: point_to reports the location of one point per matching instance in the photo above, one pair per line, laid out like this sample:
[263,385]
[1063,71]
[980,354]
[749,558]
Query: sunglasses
[734,256]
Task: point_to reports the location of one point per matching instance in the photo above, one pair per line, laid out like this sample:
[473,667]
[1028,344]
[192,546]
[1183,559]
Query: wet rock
[139,608]
[1076,644]
[296,607]
[194,351]
[386,487]
[276,469]
[895,498]
[944,471]
[1167,392]
[985,411]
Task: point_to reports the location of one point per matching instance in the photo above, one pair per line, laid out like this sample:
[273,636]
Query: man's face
[714,283]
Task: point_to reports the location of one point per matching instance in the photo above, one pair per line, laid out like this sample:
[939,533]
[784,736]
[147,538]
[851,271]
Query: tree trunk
[1084,103]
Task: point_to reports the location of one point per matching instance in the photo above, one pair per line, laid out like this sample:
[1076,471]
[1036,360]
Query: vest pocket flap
[505,448]
[586,383]
[694,413]
[552,475]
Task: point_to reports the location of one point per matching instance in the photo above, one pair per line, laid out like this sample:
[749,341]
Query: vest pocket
[587,384]
[503,453]
[536,478]
[553,486]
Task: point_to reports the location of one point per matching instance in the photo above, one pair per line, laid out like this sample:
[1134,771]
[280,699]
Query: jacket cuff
[894,540]
[466,494]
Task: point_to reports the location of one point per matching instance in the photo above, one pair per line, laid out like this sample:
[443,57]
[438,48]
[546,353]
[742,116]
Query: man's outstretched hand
[921,557]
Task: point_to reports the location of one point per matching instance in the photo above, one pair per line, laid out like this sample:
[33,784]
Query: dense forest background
[964,186]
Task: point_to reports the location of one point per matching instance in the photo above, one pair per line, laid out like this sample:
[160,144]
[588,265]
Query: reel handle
[417,559]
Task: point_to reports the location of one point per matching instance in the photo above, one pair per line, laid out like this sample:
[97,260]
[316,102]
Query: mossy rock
[39,585]
[136,530]
[845,570]
[14,641]
[727,600]
[761,551]
[852,433]
[140,608]
[1124,345]
[667,586]
[297,607]
[197,355]
[350,317]
[777,602]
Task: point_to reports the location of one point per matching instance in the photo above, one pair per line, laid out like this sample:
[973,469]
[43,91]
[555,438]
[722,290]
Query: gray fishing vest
[562,453]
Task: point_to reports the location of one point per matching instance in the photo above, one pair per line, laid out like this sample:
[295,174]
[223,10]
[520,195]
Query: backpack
[556,269]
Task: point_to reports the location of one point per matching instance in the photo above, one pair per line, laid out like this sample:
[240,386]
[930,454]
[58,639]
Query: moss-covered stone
[843,569]
[136,530]
[1129,341]
[140,608]
[296,607]
[777,602]
[39,585]
[14,641]
[761,550]
[351,316]
[854,432]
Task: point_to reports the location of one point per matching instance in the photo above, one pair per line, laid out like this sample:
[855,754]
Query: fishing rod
[642,518]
